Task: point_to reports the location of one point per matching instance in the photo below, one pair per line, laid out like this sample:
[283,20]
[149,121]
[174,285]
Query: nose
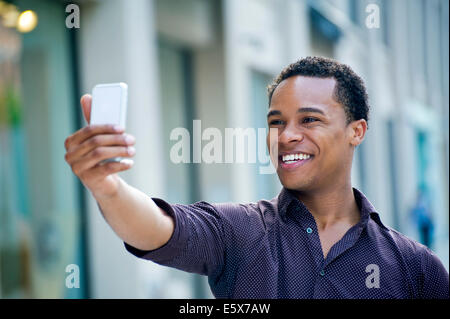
[290,135]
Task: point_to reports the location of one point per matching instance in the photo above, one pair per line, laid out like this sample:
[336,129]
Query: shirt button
[309,230]
[322,273]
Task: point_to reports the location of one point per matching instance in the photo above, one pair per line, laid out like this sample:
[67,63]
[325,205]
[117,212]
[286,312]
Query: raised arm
[133,215]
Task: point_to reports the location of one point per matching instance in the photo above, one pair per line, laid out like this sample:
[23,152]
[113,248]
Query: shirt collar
[286,198]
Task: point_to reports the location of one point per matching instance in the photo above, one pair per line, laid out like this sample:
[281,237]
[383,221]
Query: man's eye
[309,119]
[276,122]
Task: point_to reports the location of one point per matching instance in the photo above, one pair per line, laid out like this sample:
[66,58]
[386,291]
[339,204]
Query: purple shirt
[271,249]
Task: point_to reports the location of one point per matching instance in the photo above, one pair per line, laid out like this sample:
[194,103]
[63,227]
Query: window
[176,80]
[178,105]
[385,10]
[324,34]
[354,7]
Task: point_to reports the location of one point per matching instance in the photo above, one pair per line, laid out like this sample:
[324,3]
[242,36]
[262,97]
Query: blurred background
[208,60]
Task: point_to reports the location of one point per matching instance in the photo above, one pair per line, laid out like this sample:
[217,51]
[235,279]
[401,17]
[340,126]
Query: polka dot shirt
[272,249]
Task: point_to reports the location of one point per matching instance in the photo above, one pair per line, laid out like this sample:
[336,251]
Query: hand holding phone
[109,106]
[91,145]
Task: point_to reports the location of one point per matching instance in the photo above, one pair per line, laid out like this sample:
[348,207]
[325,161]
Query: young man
[320,238]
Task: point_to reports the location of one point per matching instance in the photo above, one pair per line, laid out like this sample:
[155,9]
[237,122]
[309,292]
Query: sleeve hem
[174,245]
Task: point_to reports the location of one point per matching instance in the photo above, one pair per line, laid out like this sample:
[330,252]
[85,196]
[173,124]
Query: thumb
[86,102]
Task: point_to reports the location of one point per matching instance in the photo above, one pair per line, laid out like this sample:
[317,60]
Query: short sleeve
[197,244]
[435,277]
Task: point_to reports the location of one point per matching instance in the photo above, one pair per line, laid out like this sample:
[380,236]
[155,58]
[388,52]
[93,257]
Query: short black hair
[350,91]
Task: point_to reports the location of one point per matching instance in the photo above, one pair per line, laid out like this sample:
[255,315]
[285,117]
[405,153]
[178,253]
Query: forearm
[135,217]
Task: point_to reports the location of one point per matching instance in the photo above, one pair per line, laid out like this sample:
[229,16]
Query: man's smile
[292,160]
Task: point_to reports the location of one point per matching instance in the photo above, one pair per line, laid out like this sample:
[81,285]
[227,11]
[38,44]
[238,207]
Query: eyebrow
[300,110]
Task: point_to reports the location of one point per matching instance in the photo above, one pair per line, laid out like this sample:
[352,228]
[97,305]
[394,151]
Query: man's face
[312,123]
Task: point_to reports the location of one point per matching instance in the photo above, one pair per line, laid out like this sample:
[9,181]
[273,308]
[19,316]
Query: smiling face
[312,123]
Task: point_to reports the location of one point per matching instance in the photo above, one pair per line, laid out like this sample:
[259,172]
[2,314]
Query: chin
[295,184]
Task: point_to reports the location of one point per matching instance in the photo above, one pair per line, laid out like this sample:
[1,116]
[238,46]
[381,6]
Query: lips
[290,161]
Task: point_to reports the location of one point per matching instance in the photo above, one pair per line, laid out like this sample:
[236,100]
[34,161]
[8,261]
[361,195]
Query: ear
[356,132]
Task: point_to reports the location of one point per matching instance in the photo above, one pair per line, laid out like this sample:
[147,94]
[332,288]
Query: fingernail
[118,128]
[131,150]
[129,139]
[127,161]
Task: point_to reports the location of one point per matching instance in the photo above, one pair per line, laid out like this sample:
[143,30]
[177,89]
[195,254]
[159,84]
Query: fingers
[86,103]
[101,171]
[99,154]
[96,141]
[87,132]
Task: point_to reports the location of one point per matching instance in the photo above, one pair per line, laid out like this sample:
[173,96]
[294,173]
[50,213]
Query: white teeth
[293,157]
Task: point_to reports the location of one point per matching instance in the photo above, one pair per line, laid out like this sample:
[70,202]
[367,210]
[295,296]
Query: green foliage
[10,107]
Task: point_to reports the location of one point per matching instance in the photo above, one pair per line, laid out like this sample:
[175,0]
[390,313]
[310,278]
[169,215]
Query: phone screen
[108,104]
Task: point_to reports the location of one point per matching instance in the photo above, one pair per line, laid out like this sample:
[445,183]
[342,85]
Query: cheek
[338,135]
[332,145]
[336,147]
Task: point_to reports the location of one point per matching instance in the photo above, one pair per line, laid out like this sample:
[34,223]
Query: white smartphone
[109,106]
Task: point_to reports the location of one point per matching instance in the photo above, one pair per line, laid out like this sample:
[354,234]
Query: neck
[332,206]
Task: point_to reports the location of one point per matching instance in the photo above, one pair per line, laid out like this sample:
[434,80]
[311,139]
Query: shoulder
[397,248]
[423,265]
[411,250]
[407,245]
[389,237]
